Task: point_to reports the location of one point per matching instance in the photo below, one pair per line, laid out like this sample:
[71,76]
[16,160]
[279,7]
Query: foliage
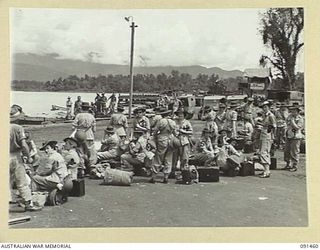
[281,30]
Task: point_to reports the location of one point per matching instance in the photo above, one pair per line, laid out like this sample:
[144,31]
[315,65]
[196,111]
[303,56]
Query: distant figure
[77,106]
[113,101]
[103,103]
[97,101]
[69,108]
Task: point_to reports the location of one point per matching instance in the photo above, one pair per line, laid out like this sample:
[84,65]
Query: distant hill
[48,67]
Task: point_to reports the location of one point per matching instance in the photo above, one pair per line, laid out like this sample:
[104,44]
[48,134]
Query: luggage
[78,188]
[273,163]
[117,177]
[190,175]
[247,168]
[208,174]
[303,147]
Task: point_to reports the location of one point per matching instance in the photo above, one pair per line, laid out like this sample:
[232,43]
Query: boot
[30,207]
[165,178]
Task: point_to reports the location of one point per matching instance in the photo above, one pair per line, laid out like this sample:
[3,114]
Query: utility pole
[133,26]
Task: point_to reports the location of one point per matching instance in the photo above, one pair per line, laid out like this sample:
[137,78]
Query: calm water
[39,103]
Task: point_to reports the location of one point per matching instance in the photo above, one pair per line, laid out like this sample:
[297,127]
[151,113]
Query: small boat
[57,107]
[28,120]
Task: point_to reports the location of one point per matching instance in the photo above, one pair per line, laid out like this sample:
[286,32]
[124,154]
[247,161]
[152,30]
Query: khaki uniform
[49,175]
[266,137]
[17,170]
[294,136]
[87,123]
[69,109]
[211,125]
[163,137]
[231,122]
[182,152]
[109,148]
[205,154]
[119,122]
[281,118]
[220,120]
[142,122]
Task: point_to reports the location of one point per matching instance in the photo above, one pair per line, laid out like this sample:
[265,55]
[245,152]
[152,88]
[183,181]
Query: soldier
[77,106]
[71,156]
[281,117]
[221,116]
[163,133]
[85,127]
[51,175]
[113,101]
[266,138]
[103,101]
[136,159]
[205,151]
[109,145]
[119,121]
[140,121]
[231,119]
[294,135]
[183,132]
[209,116]
[34,158]
[19,146]
[247,108]
[97,101]
[69,108]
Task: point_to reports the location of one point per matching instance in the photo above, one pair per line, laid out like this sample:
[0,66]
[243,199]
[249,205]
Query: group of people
[164,143]
[98,106]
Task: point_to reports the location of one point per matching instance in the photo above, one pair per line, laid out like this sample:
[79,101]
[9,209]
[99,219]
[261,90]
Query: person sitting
[223,137]
[109,145]
[247,130]
[51,175]
[141,122]
[71,157]
[205,151]
[137,159]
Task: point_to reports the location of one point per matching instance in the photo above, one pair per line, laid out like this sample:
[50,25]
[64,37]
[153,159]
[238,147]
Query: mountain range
[28,66]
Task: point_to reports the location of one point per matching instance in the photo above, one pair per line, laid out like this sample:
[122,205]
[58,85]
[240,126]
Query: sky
[225,38]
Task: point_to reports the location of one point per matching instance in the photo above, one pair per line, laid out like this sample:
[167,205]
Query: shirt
[87,123]
[111,143]
[268,121]
[281,118]
[186,126]
[77,105]
[294,127]
[55,168]
[165,126]
[142,122]
[119,119]
[16,136]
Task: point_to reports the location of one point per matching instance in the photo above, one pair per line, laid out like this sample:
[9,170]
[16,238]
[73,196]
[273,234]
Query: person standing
[295,123]
[281,117]
[77,106]
[69,108]
[163,133]
[113,101]
[221,116]
[231,119]
[209,116]
[119,121]
[183,132]
[103,101]
[19,146]
[266,138]
[141,122]
[85,127]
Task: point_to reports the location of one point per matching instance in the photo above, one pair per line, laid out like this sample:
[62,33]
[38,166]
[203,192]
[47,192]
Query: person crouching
[51,175]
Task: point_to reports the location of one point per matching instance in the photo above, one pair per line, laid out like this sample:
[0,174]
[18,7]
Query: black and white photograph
[157,118]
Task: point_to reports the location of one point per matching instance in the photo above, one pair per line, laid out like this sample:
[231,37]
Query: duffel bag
[117,177]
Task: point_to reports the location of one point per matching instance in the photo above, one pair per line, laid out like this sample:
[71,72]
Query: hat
[180,111]
[223,100]
[250,99]
[109,129]
[69,97]
[233,105]
[50,143]
[207,109]
[71,139]
[139,109]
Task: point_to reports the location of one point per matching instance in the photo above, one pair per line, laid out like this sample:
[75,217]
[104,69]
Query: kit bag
[247,168]
[78,188]
[273,164]
[117,177]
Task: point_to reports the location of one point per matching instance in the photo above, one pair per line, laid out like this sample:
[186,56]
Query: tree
[281,30]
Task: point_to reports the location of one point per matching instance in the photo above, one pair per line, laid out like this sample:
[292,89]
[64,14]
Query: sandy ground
[279,201]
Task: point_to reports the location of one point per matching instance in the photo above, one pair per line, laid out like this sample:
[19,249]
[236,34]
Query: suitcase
[273,164]
[247,168]
[190,175]
[208,174]
[78,188]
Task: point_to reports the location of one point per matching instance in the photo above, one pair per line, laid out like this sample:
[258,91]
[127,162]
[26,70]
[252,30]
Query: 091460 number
[313,246]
